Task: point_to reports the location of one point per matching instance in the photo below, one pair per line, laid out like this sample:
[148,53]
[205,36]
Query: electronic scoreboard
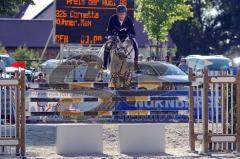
[85,21]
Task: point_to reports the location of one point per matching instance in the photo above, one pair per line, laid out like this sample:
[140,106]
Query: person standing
[40,79]
[183,65]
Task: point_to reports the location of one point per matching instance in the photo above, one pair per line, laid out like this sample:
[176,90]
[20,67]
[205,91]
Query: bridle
[118,50]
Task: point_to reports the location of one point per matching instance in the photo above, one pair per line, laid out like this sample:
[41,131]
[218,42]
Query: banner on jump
[53,101]
[85,21]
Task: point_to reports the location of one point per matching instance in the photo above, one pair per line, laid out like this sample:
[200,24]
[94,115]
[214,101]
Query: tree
[24,54]
[159,16]
[2,49]
[229,32]
[214,28]
[197,35]
[12,6]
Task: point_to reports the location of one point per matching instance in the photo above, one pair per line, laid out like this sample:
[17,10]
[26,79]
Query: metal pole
[198,109]
[217,110]
[23,116]
[205,111]
[212,109]
[224,112]
[227,116]
[238,112]
[46,45]
[61,52]
[191,115]
[232,113]
[17,113]
[1,104]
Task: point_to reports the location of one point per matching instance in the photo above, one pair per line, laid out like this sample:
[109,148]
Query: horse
[121,63]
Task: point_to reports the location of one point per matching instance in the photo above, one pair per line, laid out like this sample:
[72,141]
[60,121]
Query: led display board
[85,21]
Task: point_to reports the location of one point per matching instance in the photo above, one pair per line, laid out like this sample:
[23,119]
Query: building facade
[33,27]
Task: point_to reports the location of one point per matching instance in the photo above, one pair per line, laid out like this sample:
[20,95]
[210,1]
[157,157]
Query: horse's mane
[127,43]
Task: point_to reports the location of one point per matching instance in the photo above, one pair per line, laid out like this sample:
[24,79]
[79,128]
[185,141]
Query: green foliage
[12,6]
[159,16]
[25,54]
[172,51]
[2,49]
[208,33]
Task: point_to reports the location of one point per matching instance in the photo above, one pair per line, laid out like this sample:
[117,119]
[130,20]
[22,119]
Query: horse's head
[123,48]
[113,41]
[127,42]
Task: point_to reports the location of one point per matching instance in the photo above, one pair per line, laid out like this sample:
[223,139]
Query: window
[147,70]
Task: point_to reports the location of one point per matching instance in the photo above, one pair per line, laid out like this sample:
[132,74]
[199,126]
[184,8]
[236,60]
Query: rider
[122,25]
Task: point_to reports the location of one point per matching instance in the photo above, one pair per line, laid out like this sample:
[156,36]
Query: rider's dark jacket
[127,28]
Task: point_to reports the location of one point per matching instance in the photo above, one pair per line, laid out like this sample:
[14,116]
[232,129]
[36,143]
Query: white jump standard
[141,138]
[79,139]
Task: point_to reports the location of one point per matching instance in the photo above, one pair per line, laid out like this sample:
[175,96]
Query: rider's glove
[131,36]
[109,37]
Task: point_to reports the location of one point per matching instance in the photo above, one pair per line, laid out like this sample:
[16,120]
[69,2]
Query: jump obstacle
[80,139]
[105,99]
[112,96]
[12,118]
[217,126]
[103,85]
[79,133]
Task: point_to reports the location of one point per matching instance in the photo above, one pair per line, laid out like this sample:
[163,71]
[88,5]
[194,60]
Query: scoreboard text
[85,21]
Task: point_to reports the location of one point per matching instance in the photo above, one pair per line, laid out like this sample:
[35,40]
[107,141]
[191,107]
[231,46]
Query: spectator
[42,105]
[183,65]
[13,75]
[167,59]
[1,73]
[156,58]
[140,57]
[148,59]
[40,79]
[2,65]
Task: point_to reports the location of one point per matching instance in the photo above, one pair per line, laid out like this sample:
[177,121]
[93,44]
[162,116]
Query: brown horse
[121,64]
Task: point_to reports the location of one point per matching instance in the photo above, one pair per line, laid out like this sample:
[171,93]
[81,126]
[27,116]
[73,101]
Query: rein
[126,52]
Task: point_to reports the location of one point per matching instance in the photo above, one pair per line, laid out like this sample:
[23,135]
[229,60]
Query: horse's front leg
[114,81]
[125,75]
[121,79]
[128,78]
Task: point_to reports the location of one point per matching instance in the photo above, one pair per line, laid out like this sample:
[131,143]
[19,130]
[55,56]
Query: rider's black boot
[135,47]
[106,58]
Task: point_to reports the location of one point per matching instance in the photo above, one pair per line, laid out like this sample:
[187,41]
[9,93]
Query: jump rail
[99,113]
[101,85]
[97,95]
